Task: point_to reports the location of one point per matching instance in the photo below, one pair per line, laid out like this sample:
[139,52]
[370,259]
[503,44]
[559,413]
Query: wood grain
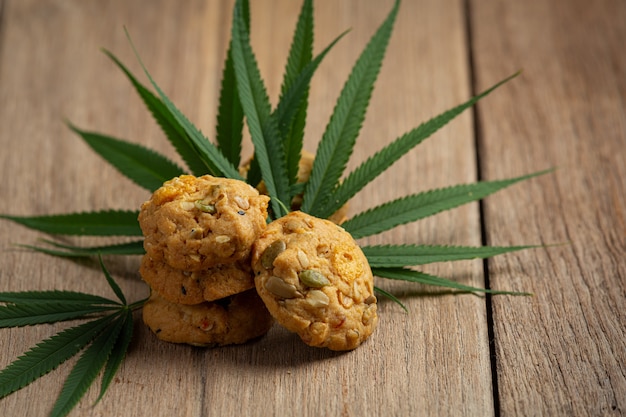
[562,352]
[432,361]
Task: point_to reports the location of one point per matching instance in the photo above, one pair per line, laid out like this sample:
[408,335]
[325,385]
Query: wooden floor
[561,352]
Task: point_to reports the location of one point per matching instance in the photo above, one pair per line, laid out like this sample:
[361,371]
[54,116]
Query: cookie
[195,223]
[315,281]
[233,320]
[195,287]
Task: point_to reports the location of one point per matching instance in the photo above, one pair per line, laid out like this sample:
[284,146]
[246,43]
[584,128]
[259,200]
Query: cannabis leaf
[104,339]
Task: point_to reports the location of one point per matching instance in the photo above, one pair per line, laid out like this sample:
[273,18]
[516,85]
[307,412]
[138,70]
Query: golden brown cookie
[194,287]
[198,223]
[315,281]
[233,320]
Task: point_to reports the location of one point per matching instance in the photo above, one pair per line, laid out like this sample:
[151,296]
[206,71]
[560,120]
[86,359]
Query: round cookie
[195,287]
[315,281]
[194,223]
[233,320]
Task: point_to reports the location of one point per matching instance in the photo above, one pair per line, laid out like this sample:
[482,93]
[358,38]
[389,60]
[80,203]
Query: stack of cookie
[198,237]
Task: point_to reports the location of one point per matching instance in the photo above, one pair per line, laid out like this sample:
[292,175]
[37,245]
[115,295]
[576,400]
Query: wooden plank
[434,360]
[562,352]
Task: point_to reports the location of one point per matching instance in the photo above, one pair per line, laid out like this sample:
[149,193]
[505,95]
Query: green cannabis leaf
[104,339]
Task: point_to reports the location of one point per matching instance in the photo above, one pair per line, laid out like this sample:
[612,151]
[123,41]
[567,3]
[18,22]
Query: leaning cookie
[195,287]
[315,281]
[233,320]
[194,223]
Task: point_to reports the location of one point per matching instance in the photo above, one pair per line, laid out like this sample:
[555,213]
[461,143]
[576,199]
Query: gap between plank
[483,229]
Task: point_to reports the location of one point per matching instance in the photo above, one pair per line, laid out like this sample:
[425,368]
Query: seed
[222,239]
[352,335]
[196,233]
[370,300]
[317,298]
[292,225]
[205,325]
[368,315]
[304,261]
[242,202]
[280,288]
[269,256]
[313,278]
[355,291]
[207,208]
[323,250]
[338,321]
[345,300]
[187,205]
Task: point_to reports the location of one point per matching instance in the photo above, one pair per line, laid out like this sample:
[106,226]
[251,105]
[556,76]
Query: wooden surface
[561,352]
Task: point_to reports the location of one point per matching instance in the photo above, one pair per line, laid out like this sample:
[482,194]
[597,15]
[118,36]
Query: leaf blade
[96,223]
[143,166]
[116,288]
[300,55]
[340,135]
[290,114]
[417,206]
[229,130]
[391,297]
[54,296]
[172,129]
[19,315]
[215,161]
[118,353]
[256,107]
[71,251]
[403,274]
[389,256]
